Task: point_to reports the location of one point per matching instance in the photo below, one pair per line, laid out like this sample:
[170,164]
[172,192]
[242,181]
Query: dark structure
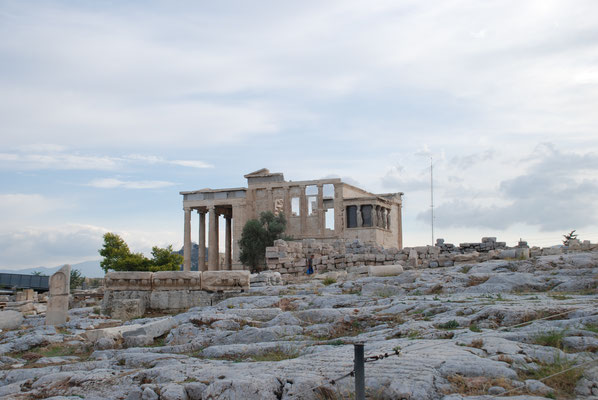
[36,282]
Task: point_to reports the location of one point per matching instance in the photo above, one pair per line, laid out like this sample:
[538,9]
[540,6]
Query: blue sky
[109,109]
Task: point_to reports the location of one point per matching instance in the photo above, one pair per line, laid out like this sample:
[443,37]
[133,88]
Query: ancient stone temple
[323,209]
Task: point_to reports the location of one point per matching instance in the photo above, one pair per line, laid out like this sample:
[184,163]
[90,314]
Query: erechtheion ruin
[322,209]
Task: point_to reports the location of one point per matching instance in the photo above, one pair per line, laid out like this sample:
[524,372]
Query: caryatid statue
[388,219]
[374,216]
[359,217]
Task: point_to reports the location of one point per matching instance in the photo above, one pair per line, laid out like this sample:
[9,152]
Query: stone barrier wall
[130,295]
[290,258]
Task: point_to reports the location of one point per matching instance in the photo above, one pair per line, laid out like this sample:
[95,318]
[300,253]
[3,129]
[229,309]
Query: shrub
[551,338]
[564,384]
[452,324]
[329,281]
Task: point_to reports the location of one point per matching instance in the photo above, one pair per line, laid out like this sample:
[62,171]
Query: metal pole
[359,372]
[432,197]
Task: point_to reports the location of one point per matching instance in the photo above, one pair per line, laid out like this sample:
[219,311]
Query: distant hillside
[89,269]
[194,255]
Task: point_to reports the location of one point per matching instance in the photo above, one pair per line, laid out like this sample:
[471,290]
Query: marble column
[303,210]
[213,253]
[321,214]
[201,264]
[187,243]
[287,204]
[228,259]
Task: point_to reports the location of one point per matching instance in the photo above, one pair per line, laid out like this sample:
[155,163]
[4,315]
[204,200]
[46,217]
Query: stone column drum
[201,264]
[187,243]
[213,253]
[58,303]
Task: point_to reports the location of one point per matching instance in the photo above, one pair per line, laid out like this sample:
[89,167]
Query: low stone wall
[290,258]
[130,295]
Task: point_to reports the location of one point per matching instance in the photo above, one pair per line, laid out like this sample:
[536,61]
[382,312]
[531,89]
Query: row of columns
[213,241]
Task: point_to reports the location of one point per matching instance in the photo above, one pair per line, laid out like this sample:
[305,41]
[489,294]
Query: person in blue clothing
[310,265]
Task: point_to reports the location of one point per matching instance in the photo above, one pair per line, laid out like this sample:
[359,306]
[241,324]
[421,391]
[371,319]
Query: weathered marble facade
[323,209]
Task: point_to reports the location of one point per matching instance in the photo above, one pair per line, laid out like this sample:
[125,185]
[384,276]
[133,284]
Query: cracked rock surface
[471,331]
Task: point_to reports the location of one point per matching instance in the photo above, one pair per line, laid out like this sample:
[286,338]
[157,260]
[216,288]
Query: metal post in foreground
[359,372]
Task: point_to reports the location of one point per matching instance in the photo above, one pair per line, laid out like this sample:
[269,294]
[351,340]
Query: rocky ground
[471,331]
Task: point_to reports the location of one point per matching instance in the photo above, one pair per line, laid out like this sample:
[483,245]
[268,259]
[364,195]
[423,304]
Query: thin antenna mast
[432,198]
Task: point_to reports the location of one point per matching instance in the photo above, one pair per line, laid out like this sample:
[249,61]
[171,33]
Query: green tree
[76,278]
[118,257]
[257,235]
[114,251]
[165,259]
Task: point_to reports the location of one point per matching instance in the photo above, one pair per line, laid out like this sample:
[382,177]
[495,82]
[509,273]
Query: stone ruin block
[58,303]
[176,280]
[225,280]
[385,270]
[128,280]
[127,309]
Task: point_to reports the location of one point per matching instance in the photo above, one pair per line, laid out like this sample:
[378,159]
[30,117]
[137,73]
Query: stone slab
[176,280]
[225,280]
[58,303]
[128,280]
[385,270]
[10,320]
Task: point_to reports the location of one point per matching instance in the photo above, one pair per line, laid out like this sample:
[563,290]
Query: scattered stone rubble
[470,331]
[289,258]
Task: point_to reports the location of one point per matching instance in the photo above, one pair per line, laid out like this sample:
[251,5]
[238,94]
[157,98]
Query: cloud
[559,191]
[55,157]
[60,161]
[70,243]
[469,160]
[113,183]
[192,163]
[49,246]
[18,207]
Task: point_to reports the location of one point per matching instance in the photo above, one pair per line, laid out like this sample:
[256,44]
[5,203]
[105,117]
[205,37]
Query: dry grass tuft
[478,385]
[476,280]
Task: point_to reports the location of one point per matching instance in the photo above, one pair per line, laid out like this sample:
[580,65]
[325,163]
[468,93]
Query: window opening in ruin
[295,207]
[311,190]
[311,193]
[328,191]
[278,206]
[351,216]
[329,219]
[366,214]
[312,205]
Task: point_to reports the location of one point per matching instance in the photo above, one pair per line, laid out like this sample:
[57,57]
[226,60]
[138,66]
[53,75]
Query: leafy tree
[118,257]
[165,259]
[38,273]
[76,278]
[257,235]
[114,251]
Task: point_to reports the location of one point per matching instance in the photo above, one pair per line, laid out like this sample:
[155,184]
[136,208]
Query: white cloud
[15,208]
[58,158]
[192,163]
[113,183]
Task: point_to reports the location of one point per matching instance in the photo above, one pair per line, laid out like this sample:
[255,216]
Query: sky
[109,109]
